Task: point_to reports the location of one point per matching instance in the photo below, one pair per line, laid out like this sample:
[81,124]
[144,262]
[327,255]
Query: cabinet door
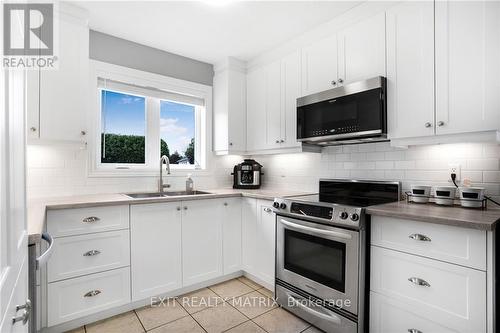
[256,109]
[467,66]
[273,104]
[410,69]
[362,50]
[155,236]
[237,111]
[266,231]
[231,237]
[201,240]
[319,66]
[63,91]
[290,91]
[249,235]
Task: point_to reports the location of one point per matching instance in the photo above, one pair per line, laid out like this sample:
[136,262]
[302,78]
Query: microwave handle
[336,234]
[329,317]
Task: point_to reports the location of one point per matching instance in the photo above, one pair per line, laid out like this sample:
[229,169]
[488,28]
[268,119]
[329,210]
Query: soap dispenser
[189,184]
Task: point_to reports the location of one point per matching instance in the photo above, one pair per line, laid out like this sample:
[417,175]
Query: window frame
[203,121]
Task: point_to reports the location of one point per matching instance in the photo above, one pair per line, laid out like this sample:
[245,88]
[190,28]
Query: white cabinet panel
[273,104]
[231,227]
[79,255]
[410,69]
[454,294]
[388,315]
[249,235]
[266,238]
[75,298]
[256,110]
[467,66]
[64,91]
[466,247]
[290,91]
[155,249]
[67,222]
[319,66]
[201,240]
[362,50]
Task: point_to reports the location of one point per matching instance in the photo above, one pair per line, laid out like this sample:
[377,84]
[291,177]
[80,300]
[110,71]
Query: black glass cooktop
[354,193]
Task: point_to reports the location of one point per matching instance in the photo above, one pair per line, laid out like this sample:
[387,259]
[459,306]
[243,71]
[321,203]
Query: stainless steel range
[322,251]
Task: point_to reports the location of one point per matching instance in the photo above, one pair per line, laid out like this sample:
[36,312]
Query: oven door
[321,260]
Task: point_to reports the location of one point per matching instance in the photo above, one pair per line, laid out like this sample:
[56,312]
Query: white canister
[444,195]
[420,193]
[471,197]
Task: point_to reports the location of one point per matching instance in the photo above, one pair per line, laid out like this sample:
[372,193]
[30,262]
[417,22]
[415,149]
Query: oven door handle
[336,234]
[329,317]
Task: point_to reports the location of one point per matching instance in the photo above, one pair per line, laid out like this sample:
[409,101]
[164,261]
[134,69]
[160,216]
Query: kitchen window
[139,120]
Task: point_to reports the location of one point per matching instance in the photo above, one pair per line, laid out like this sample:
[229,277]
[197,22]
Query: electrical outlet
[456,169]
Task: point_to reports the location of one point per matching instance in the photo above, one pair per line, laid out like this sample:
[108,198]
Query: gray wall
[125,53]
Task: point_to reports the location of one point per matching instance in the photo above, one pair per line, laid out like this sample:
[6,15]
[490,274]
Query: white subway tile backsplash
[491,176]
[394,155]
[404,165]
[483,164]
[386,165]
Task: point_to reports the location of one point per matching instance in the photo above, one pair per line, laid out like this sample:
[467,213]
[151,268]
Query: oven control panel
[323,213]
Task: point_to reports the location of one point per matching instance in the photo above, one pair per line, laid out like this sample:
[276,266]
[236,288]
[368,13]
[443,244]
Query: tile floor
[235,306]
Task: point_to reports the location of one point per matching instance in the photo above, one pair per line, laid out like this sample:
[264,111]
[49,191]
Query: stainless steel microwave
[353,113]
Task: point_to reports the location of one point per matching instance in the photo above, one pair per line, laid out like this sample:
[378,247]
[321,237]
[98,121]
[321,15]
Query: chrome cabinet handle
[277,141]
[420,237]
[340,80]
[178,208]
[92,293]
[427,124]
[83,133]
[225,203]
[268,210]
[419,282]
[281,141]
[414,330]
[91,253]
[33,129]
[185,208]
[440,123]
[334,83]
[91,219]
[230,143]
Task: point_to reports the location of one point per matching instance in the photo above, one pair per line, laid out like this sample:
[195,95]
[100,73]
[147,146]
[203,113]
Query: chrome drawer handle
[268,210]
[91,219]
[414,330]
[419,282]
[420,237]
[92,293]
[91,253]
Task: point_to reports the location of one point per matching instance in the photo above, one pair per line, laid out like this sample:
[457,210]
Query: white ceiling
[210,33]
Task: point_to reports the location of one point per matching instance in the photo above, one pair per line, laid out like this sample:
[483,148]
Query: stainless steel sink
[164,194]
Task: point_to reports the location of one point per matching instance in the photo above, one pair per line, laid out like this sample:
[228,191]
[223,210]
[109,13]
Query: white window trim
[203,129]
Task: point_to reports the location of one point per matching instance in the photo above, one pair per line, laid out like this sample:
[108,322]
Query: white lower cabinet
[201,240]
[388,315]
[155,249]
[258,239]
[231,234]
[78,297]
[427,283]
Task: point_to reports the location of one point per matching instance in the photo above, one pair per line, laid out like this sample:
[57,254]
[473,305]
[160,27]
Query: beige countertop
[455,216]
[37,208]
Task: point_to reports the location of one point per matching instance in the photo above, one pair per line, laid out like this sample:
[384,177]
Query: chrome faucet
[161,186]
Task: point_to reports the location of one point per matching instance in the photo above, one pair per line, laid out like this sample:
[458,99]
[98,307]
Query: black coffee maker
[247,175]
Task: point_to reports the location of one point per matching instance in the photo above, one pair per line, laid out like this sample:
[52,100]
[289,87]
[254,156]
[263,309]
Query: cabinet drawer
[466,247]
[455,294]
[68,222]
[71,299]
[79,255]
[388,315]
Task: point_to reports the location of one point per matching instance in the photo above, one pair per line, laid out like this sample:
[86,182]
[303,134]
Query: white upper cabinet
[467,66]
[410,69]
[273,104]
[256,109]
[290,91]
[230,107]
[58,101]
[319,66]
[201,240]
[362,50]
